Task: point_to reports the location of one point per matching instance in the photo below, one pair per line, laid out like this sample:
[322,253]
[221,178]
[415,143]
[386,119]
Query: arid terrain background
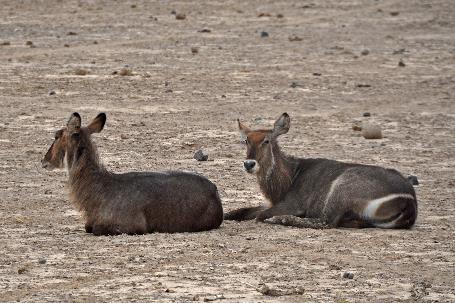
[173,85]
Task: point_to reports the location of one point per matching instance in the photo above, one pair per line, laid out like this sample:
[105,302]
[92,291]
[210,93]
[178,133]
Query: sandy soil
[177,101]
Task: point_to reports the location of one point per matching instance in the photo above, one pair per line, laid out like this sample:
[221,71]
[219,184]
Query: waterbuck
[135,202]
[322,193]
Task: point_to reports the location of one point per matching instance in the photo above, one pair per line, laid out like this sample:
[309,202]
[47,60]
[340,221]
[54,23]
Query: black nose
[249,164]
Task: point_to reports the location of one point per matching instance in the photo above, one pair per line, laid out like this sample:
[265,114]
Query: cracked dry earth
[323,62]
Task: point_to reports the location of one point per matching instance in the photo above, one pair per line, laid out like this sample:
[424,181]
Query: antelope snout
[45,164]
[250,165]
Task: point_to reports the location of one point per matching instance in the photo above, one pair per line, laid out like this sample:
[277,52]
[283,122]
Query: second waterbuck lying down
[131,203]
[321,193]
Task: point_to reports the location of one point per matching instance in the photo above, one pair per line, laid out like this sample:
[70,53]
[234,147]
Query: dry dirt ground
[176,101]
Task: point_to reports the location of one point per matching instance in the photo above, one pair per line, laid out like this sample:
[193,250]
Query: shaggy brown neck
[86,176]
[275,177]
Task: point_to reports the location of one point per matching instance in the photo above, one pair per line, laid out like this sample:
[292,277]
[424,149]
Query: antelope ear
[74,124]
[244,130]
[281,125]
[97,124]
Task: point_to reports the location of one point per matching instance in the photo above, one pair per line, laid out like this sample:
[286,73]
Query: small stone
[95,42]
[413,179]
[394,13]
[294,84]
[348,275]
[201,155]
[21,270]
[133,6]
[125,72]
[66,45]
[363,85]
[280,16]
[5,43]
[180,16]
[356,128]
[29,43]
[173,12]
[71,33]
[365,52]
[263,15]
[371,131]
[401,63]
[42,261]
[81,72]
[123,136]
[52,92]
[367,114]
[317,74]
[195,50]
[264,34]
[205,30]
[223,96]
[295,38]
[168,90]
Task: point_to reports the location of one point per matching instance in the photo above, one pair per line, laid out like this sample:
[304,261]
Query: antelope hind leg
[243,214]
[289,220]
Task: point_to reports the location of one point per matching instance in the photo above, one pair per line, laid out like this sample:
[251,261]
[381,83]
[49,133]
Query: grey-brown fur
[132,203]
[324,192]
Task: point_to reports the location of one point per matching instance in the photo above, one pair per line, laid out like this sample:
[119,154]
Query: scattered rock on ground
[365,52]
[401,63]
[295,38]
[180,16]
[371,131]
[367,114]
[348,275]
[264,34]
[201,155]
[125,72]
[52,92]
[81,72]
[42,261]
[5,43]
[195,50]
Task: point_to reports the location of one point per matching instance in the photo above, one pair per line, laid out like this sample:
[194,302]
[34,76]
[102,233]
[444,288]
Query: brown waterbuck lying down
[135,202]
[322,193]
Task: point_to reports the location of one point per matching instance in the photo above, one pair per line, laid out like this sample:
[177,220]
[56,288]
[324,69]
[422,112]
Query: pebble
[29,43]
[5,43]
[201,155]
[401,63]
[180,16]
[123,136]
[367,114]
[294,84]
[264,34]
[81,72]
[394,13]
[195,50]
[365,52]
[371,131]
[356,128]
[295,38]
[348,275]
[42,261]
[125,72]
[413,179]
[52,92]
[71,33]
